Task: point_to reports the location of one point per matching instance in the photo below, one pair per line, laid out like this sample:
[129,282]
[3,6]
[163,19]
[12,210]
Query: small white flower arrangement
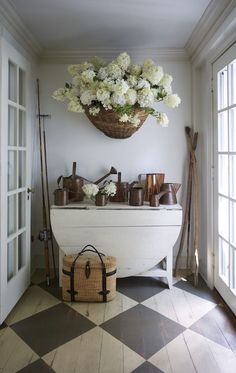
[91,190]
[120,86]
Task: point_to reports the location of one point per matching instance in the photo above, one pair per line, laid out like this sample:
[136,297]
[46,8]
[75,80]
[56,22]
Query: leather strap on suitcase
[104,290]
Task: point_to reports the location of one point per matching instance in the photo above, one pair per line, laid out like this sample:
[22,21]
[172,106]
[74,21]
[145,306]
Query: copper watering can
[122,190]
[152,185]
[170,196]
[73,184]
[155,198]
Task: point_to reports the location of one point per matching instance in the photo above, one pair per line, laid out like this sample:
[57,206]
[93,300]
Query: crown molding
[213,17]
[12,23]
[74,56]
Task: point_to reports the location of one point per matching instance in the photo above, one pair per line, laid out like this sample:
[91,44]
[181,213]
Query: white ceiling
[116,24]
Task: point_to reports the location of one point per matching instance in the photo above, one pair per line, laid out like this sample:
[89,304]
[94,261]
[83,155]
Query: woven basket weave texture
[88,288]
[108,122]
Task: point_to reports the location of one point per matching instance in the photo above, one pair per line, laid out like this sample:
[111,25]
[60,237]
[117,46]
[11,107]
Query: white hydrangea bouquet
[120,87]
[91,190]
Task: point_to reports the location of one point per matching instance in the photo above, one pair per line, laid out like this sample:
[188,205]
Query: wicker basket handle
[93,250]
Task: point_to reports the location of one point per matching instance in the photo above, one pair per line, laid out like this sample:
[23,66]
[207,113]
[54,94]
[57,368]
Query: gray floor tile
[143,330]
[51,328]
[38,366]
[140,288]
[147,368]
[3,325]
[53,288]
[201,290]
[219,325]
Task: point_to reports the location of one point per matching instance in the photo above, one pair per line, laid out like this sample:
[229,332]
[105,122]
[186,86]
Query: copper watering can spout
[112,171]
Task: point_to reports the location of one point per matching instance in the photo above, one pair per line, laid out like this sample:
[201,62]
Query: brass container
[61,197]
[136,196]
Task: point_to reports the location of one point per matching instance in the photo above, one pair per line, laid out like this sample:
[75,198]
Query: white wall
[71,137]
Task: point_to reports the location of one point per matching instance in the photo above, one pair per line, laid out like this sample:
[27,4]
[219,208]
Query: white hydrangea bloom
[109,189]
[166,81]
[123,61]
[90,190]
[98,62]
[163,120]
[153,74]
[142,83]
[103,95]
[124,118]
[145,97]
[118,99]
[132,81]
[131,96]
[121,86]
[102,73]
[135,120]
[148,62]
[114,71]
[75,106]
[87,76]
[60,94]
[172,100]
[135,69]
[94,110]
[87,97]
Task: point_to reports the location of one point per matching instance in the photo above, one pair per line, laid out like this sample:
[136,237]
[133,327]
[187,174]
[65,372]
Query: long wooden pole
[45,240]
[48,200]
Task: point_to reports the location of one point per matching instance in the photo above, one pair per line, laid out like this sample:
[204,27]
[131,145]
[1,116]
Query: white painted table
[139,237]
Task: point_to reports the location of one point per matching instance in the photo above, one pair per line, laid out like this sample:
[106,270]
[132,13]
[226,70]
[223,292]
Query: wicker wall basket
[108,122]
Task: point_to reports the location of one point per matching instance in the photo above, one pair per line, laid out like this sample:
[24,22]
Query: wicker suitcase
[88,277]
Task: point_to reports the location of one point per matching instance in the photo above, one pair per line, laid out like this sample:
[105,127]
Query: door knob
[30,190]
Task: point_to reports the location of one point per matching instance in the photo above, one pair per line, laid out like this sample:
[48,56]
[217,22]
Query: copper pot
[136,196]
[101,200]
[61,197]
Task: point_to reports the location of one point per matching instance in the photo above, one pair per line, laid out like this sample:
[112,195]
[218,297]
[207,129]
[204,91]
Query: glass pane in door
[11,214]
[21,250]
[223,217]
[222,88]
[232,130]
[11,259]
[22,168]
[12,170]
[223,131]
[12,126]
[224,260]
[21,87]
[21,209]
[22,128]
[232,82]
[12,81]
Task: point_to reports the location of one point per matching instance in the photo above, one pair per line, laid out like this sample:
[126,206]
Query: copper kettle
[170,197]
[152,185]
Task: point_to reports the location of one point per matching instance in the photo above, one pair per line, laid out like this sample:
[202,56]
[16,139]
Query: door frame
[222,288]
[11,291]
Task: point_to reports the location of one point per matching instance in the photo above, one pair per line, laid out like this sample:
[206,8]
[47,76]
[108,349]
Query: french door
[224,76]
[15,179]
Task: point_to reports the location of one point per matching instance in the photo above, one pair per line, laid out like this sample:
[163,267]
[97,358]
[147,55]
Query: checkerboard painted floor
[147,328]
